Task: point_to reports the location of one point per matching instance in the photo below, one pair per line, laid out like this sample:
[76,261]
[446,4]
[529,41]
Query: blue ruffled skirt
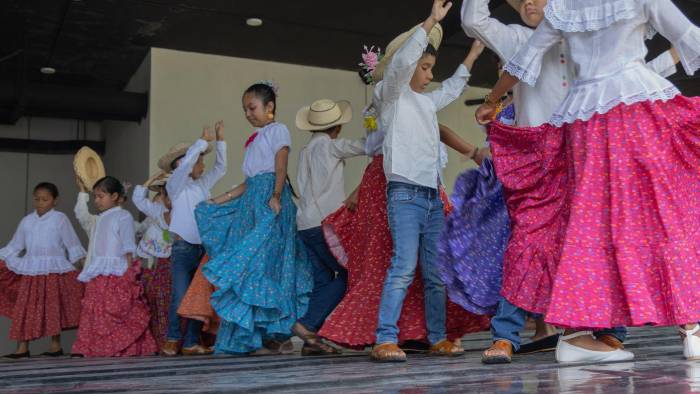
[258,265]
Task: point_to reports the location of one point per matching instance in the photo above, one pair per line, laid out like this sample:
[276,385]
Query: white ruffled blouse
[112,237]
[45,240]
[156,240]
[606,40]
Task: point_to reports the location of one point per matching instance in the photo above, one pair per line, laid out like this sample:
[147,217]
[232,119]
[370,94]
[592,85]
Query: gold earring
[270,116]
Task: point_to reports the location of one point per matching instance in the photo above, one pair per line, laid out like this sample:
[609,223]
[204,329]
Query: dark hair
[49,187]
[365,76]
[265,93]
[430,50]
[111,185]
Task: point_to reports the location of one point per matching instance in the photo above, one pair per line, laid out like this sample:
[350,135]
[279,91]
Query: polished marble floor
[659,368]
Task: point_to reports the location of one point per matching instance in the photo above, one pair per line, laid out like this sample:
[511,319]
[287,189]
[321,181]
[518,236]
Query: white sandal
[568,353]
[691,343]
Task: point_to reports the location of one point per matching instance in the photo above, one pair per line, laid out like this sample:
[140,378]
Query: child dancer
[114,320]
[322,191]
[606,142]
[39,291]
[155,248]
[188,186]
[257,261]
[535,105]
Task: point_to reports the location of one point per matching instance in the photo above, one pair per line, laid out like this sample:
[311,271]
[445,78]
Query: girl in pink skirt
[114,320]
[607,194]
[39,291]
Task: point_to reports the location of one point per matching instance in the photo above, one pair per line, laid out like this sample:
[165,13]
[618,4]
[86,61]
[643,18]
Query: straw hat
[324,114]
[88,166]
[434,38]
[157,185]
[178,150]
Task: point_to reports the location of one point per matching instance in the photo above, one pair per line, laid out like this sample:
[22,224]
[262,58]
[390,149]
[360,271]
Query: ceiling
[100,43]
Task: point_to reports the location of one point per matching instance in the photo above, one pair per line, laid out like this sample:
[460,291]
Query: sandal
[272,347]
[314,346]
[691,343]
[387,353]
[445,348]
[504,355]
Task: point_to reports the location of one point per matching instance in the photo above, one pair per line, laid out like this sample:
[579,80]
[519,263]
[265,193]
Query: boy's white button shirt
[320,177]
[412,142]
[185,193]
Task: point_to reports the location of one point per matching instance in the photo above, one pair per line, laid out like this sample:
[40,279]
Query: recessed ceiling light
[254,22]
[48,70]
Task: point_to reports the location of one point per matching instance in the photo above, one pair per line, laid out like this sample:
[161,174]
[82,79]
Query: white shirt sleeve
[668,20]
[212,176]
[127,235]
[82,213]
[374,142]
[451,88]
[17,243]
[342,148]
[279,137]
[146,206]
[504,40]
[71,241]
[663,64]
[527,63]
[399,71]
[178,179]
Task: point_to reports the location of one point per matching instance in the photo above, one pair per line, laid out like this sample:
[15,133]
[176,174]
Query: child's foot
[57,353]
[691,342]
[16,356]
[581,346]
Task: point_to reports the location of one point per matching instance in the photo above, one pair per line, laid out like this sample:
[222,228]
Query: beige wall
[189,90]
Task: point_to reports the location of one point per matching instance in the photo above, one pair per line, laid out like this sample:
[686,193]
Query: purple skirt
[474,239]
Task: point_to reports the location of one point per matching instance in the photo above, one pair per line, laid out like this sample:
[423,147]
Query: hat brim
[165,162]
[302,120]
[158,185]
[88,166]
[434,38]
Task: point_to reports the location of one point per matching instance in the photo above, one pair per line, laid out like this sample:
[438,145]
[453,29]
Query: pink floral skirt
[115,318]
[605,216]
[39,305]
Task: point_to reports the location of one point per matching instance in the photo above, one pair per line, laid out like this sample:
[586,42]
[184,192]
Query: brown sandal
[445,348]
[314,346]
[387,353]
[503,347]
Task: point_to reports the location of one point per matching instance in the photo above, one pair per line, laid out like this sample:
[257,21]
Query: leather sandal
[611,341]
[272,347]
[445,348]
[387,353]
[16,356]
[170,348]
[314,346]
[504,355]
[196,350]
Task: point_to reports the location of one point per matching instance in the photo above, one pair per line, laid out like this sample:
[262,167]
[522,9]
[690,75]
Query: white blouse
[111,239]
[606,38]
[320,177]
[156,240]
[45,240]
[260,155]
[412,148]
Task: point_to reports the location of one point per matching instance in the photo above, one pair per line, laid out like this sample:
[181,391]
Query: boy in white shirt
[188,186]
[321,192]
[413,164]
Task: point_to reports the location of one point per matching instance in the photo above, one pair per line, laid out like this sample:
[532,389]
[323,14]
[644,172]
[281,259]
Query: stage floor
[659,368]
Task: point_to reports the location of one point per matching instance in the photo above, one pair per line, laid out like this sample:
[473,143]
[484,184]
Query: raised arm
[343,148]
[212,176]
[178,179]
[148,207]
[504,40]
[668,20]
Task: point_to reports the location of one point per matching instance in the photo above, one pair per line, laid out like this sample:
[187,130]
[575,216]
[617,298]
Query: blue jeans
[330,279]
[184,261]
[416,219]
[509,322]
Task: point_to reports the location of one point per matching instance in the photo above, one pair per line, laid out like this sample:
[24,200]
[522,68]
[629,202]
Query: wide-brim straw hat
[88,166]
[157,185]
[178,150]
[324,114]
[434,38]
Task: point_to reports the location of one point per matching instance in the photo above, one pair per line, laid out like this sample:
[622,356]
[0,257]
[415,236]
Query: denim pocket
[403,195]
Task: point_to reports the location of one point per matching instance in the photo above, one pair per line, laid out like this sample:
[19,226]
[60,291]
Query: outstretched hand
[440,10]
